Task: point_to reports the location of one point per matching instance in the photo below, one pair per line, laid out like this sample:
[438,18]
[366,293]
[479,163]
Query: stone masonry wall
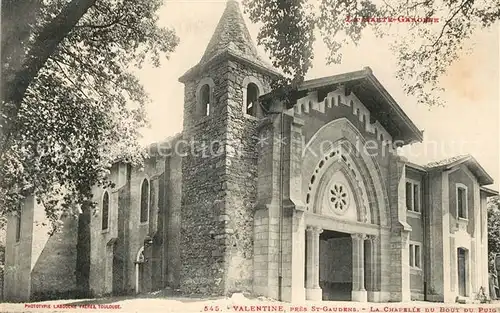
[29,272]
[241,184]
[17,275]
[172,191]
[266,218]
[219,186]
[49,281]
[104,244]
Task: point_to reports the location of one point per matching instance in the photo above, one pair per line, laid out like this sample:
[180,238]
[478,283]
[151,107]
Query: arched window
[105,210]
[205,100]
[144,201]
[252,96]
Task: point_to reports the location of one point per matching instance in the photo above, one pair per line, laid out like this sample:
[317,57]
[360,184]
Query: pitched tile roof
[448,161]
[468,160]
[232,37]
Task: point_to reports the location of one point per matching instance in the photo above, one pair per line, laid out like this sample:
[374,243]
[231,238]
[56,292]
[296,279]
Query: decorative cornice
[227,56]
[359,236]
[336,98]
[314,229]
[366,86]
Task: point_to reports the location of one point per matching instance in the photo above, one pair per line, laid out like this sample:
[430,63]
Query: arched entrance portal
[139,271]
[346,209]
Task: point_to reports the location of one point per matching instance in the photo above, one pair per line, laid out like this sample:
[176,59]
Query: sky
[468,123]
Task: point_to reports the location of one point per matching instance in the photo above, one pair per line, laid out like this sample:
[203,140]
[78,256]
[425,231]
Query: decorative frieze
[337,98]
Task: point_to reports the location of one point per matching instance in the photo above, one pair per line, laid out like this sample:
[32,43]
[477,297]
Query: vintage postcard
[250,156]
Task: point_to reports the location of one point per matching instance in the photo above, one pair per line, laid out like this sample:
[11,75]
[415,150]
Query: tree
[493,230]
[424,51]
[71,105]
[20,67]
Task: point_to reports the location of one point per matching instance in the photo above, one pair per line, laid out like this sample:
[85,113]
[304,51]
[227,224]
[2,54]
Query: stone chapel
[304,201]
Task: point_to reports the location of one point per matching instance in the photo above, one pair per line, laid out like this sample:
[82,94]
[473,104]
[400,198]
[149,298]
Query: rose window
[338,197]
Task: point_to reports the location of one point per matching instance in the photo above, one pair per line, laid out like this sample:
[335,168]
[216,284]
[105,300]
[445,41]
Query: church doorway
[139,271]
[335,265]
[462,271]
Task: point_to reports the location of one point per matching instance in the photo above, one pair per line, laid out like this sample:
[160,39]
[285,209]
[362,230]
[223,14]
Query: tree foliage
[84,108]
[493,230]
[424,50]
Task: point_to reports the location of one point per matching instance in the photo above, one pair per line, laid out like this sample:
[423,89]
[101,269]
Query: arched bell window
[252,90]
[205,100]
[204,97]
[252,96]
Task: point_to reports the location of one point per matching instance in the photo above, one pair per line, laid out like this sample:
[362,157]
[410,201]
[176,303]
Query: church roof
[230,39]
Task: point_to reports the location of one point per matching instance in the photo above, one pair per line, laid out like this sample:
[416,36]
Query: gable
[381,106]
[349,107]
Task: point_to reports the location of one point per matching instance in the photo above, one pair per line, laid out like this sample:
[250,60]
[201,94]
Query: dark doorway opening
[335,265]
[462,271]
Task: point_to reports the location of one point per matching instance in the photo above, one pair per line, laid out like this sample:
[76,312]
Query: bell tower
[219,167]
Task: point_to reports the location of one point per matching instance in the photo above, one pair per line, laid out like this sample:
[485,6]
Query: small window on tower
[252,96]
[205,100]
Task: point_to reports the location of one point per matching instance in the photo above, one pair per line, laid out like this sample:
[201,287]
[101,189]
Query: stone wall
[114,250]
[121,252]
[203,222]
[101,254]
[170,200]
[30,273]
[140,231]
[17,275]
[266,217]
[241,184]
[55,282]
[219,186]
